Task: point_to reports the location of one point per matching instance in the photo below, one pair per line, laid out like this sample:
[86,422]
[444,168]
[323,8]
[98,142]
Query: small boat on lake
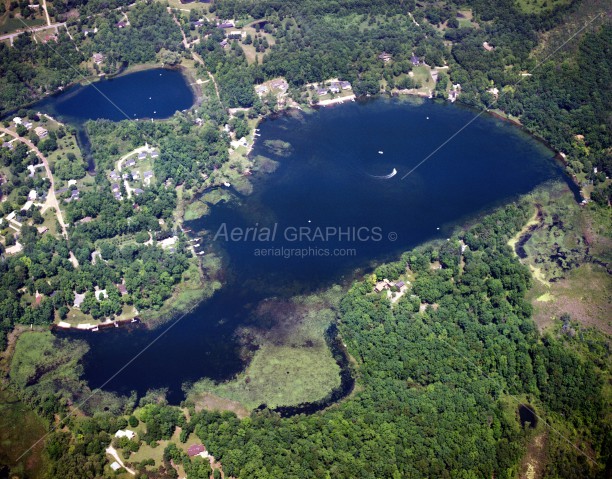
[386,177]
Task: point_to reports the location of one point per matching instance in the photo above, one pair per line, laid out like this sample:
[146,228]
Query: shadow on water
[326,182]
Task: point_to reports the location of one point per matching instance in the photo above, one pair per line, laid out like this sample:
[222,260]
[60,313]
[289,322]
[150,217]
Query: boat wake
[385,177]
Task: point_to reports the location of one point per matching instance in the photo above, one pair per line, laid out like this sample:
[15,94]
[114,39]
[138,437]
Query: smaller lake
[156,93]
[527,416]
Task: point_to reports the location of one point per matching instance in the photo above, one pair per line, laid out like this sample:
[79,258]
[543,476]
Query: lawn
[10,25]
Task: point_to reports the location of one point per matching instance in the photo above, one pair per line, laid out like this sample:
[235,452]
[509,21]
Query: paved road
[51,198]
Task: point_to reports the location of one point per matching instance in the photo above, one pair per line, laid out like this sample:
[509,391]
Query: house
[382,285]
[28,125]
[487,47]
[135,175]
[225,25]
[74,195]
[195,450]
[385,57]
[78,300]
[125,176]
[125,433]
[115,187]
[224,43]
[131,162]
[117,196]
[115,466]
[235,34]
[28,204]
[142,155]
[415,60]
[261,89]
[122,289]
[8,144]
[41,132]
[138,191]
[32,195]
[322,91]
[198,24]
[345,85]
[17,120]
[279,84]
[98,58]
[86,220]
[335,87]
[154,154]
[114,175]
[148,174]
[121,24]
[42,230]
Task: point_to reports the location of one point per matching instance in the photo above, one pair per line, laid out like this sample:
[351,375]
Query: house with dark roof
[415,60]
[148,174]
[154,154]
[385,57]
[225,25]
[195,450]
[142,155]
[131,162]
[138,191]
[115,187]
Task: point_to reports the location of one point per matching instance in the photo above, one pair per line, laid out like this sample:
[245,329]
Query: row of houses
[334,87]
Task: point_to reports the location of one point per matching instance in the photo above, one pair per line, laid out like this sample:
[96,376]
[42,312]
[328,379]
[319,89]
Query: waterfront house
[345,85]
[98,58]
[41,132]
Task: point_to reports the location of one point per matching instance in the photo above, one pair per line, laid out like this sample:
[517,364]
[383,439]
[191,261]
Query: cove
[148,94]
[329,177]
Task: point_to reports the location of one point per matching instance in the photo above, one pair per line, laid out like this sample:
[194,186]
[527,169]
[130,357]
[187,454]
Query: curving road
[51,198]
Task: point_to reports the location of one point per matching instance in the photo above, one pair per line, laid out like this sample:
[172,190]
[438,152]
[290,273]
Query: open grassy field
[10,25]
[20,427]
[540,6]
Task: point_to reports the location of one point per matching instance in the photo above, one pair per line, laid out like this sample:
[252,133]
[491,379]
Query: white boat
[386,177]
[380,152]
[95,329]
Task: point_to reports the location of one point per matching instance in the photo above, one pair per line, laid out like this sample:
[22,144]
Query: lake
[331,216]
[155,93]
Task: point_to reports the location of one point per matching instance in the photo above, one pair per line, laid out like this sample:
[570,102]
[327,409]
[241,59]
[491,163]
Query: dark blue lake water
[328,180]
[156,93]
